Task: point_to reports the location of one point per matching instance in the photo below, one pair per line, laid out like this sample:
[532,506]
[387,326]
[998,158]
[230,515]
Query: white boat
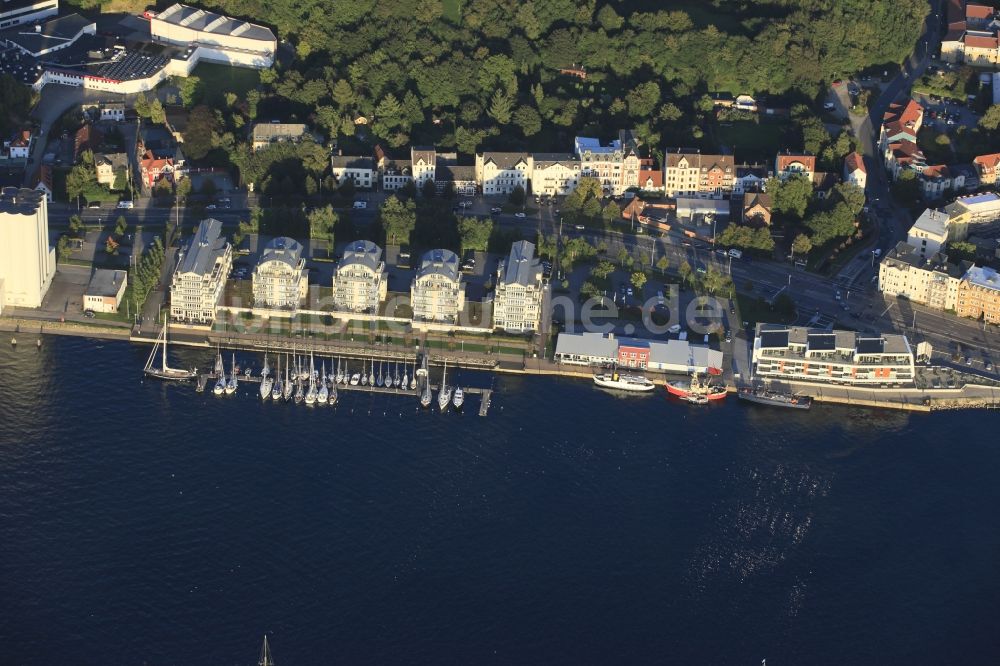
[266,383]
[163,371]
[300,393]
[276,391]
[233,382]
[379,380]
[333,394]
[413,378]
[444,393]
[355,379]
[624,382]
[323,395]
[339,377]
[288,386]
[404,383]
[396,381]
[364,375]
[311,393]
[371,374]
[459,398]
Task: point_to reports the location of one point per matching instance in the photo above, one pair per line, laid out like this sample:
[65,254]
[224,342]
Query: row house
[927,280]
[849,358]
[437,293]
[788,164]
[979,295]
[461,178]
[360,282]
[501,173]
[359,169]
[108,165]
[900,122]
[201,274]
[280,279]
[971,35]
[396,174]
[423,162]
[650,175]
[938,179]
[905,154]
[554,174]
[750,178]
[855,172]
[690,173]
[616,165]
[517,302]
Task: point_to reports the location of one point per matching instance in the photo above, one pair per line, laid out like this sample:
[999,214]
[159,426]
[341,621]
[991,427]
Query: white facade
[616,166]
[359,281]
[932,282]
[929,233]
[359,169]
[423,163]
[554,174]
[201,274]
[280,280]
[27,263]
[437,293]
[226,38]
[517,303]
[104,293]
[502,173]
[26,12]
[114,112]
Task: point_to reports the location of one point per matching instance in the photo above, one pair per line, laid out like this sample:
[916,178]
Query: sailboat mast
[165,325]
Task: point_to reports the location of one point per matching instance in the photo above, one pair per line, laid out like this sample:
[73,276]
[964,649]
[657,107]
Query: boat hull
[789,402]
[171,374]
[620,385]
[683,390]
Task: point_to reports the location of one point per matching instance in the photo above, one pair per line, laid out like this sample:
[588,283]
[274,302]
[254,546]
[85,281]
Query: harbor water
[144,523]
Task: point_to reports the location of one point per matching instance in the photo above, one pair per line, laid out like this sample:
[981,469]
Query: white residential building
[517,303]
[396,174]
[105,291]
[796,353]
[27,263]
[423,161]
[359,281]
[280,280]
[438,293]
[501,173]
[113,111]
[615,165]
[855,172]
[929,233]
[107,166]
[554,174]
[929,281]
[350,167]
[201,274]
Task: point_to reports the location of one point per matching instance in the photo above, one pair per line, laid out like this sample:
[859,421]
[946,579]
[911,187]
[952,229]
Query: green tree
[121,180]
[990,120]
[792,196]
[801,245]
[528,120]
[684,270]
[642,99]
[638,280]
[157,114]
[343,94]
[182,188]
[662,264]
[611,213]
[474,233]
[602,269]
[397,219]
[76,228]
[141,105]
[190,89]
[962,251]
[322,223]
[63,249]
[199,135]
[121,224]
[500,107]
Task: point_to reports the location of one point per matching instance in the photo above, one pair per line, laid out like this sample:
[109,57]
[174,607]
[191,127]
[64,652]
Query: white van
[361,204]
[126,204]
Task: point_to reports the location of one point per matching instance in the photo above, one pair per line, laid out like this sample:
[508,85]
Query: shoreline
[905,399]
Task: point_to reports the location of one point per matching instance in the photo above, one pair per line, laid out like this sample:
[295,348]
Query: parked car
[126,204]
[89,314]
[519,215]
[210,207]
[496,209]
[361,204]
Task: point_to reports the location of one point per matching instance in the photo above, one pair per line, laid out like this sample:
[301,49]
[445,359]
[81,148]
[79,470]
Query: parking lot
[945,115]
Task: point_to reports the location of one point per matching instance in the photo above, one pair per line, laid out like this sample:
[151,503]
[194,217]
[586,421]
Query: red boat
[695,390]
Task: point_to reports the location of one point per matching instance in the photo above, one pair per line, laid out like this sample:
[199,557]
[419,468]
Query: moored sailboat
[163,371]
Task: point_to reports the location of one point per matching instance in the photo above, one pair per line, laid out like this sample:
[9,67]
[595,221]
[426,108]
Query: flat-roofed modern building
[105,291]
[438,293]
[17,12]
[264,134]
[201,274]
[517,303]
[52,35]
[280,280]
[220,38]
[598,349]
[27,263]
[796,353]
[359,281]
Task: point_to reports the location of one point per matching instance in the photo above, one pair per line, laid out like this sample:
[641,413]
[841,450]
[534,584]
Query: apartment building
[930,281]
[280,279]
[979,294]
[796,353]
[200,277]
[554,173]
[789,164]
[517,303]
[107,166]
[423,163]
[438,292]
[27,263]
[615,165]
[501,173]
[988,168]
[929,234]
[359,280]
[691,173]
[359,169]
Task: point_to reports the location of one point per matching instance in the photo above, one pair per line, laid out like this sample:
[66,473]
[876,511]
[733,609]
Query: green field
[752,142]
[217,80]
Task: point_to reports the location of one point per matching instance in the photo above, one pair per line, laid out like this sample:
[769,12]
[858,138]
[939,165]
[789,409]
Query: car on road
[496,209]
[580,227]
[729,336]
[989,366]
[732,309]
[94,204]
[360,204]
[125,205]
[210,207]
[829,106]
[520,215]
[89,314]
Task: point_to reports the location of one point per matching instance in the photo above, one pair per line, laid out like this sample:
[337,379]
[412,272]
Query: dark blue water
[145,523]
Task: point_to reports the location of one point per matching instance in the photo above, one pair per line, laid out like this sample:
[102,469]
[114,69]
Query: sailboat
[396,381]
[333,393]
[324,393]
[403,382]
[266,383]
[300,393]
[339,377]
[276,391]
[233,381]
[379,380]
[311,393]
[459,398]
[265,655]
[413,378]
[364,375]
[220,373]
[444,393]
[163,371]
[287,387]
[371,373]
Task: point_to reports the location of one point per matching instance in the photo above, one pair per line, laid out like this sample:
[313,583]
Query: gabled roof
[978,12]
[854,162]
[987,162]
[522,267]
[284,249]
[439,262]
[696,159]
[824,180]
[787,160]
[351,162]
[202,251]
[653,175]
[546,160]
[981,41]
[426,153]
[936,171]
[505,161]
[753,199]
[956,31]
[21,139]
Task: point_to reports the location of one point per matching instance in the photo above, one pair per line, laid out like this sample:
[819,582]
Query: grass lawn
[754,142]
[217,80]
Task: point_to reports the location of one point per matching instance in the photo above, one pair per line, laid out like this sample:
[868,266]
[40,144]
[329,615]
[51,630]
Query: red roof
[979,12]
[987,162]
[907,113]
[956,31]
[651,174]
[956,10]
[786,160]
[21,139]
[936,171]
[906,151]
[979,42]
[855,162]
